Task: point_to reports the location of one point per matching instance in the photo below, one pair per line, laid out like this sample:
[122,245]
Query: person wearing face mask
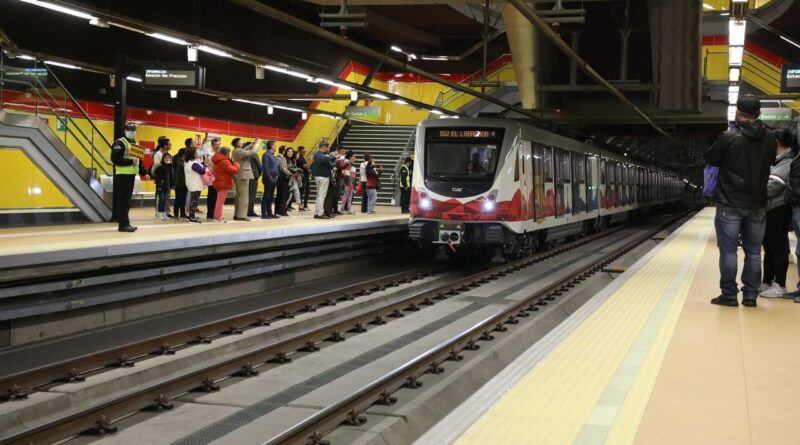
[126,167]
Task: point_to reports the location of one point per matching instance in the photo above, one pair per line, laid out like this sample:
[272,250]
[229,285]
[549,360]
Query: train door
[591,184]
[610,185]
[558,181]
[603,181]
[549,185]
[578,183]
[618,185]
[526,179]
[626,192]
[538,182]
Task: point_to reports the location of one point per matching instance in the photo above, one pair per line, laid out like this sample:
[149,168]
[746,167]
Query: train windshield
[465,161]
[465,156]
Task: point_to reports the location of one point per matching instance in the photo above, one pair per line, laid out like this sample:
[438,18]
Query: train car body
[480,184]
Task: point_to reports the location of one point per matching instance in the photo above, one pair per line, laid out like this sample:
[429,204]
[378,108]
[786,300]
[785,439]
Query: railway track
[381,391]
[159,395]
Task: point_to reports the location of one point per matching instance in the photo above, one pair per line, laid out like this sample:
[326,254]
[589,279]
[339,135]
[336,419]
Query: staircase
[386,143]
[74,157]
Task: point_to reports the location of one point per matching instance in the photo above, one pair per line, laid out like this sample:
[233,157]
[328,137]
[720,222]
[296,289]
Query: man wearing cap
[743,155]
[126,167]
[163,145]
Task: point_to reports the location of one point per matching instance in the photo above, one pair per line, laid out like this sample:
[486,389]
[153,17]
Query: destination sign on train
[459,133]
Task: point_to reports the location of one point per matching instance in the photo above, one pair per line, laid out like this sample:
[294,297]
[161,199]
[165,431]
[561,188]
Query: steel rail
[349,410]
[159,394]
[529,13]
[17,385]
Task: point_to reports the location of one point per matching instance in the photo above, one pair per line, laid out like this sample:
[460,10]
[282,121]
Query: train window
[547,161]
[516,164]
[462,161]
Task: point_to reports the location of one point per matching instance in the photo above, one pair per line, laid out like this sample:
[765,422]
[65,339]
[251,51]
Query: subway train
[487,186]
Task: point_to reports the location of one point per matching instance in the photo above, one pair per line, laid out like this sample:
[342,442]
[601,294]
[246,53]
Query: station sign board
[776,114]
[790,78]
[173,76]
[366,111]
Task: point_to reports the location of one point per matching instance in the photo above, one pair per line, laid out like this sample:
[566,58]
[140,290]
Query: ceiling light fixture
[134,79]
[790,41]
[379,96]
[62,9]
[214,51]
[437,112]
[400,101]
[173,94]
[166,38]
[354,96]
[191,53]
[304,116]
[25,57]
[260,73]
[62,65]
[270,110]
[396,49]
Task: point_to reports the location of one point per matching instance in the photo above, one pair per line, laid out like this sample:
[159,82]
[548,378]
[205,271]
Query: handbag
[208,177]
[710,180]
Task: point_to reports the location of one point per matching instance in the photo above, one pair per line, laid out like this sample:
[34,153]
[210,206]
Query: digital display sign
[464,133]
[174,77]
[790,78]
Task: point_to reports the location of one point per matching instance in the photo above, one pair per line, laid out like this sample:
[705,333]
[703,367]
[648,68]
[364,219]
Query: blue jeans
[796,227]
[731,223]
[162,195]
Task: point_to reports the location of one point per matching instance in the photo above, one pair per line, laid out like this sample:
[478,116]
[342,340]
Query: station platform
[649,361]
[31,252]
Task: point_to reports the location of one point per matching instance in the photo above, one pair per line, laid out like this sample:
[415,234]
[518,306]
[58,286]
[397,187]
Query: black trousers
[211,201]
[405,199]
[121,196]
[337,199]
[179,207]
[281,195]
[363,197]
[330,199]
[267,197]
[305,188]
[776,245]
[251,204]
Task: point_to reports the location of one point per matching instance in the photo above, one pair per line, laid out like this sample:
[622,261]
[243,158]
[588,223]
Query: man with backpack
[743,155]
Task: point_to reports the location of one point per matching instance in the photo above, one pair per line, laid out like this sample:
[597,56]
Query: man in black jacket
[743,154]
[126,167]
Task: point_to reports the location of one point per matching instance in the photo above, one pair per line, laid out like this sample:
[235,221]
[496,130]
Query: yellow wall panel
[25,186]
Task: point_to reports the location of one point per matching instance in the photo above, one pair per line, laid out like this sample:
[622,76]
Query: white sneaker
[762,287]
[775,291]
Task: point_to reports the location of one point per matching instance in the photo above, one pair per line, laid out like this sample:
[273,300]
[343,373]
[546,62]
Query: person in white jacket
[194,169]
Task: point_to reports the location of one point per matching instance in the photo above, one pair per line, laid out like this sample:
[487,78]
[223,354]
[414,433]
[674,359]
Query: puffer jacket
[778,179]
[743,154]
[224,171]
[193,172]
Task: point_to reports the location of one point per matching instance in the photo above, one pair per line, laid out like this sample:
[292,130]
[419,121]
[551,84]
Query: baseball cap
[749,104]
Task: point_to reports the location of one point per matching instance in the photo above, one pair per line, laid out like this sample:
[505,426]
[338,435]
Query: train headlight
[489,202]
[424,201]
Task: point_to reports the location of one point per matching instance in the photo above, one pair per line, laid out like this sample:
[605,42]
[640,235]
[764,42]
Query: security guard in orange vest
[126,167]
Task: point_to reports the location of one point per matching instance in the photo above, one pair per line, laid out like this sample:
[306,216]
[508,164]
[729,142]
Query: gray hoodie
[778,178]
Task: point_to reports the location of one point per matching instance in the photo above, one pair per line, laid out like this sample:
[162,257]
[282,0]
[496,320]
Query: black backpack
[791,192]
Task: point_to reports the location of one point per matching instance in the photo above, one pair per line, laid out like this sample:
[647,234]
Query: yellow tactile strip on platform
[593,387]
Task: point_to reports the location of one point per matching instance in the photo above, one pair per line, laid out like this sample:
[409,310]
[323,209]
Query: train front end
[465,190]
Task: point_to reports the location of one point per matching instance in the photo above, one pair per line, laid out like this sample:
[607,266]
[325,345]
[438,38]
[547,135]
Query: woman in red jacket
[224,171]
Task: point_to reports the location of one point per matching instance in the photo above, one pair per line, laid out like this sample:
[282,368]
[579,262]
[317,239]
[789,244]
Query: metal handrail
[456,93]
[70,120]
[49,99]
[54,112]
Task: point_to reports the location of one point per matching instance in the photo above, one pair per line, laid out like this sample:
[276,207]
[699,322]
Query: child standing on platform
[163,180]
